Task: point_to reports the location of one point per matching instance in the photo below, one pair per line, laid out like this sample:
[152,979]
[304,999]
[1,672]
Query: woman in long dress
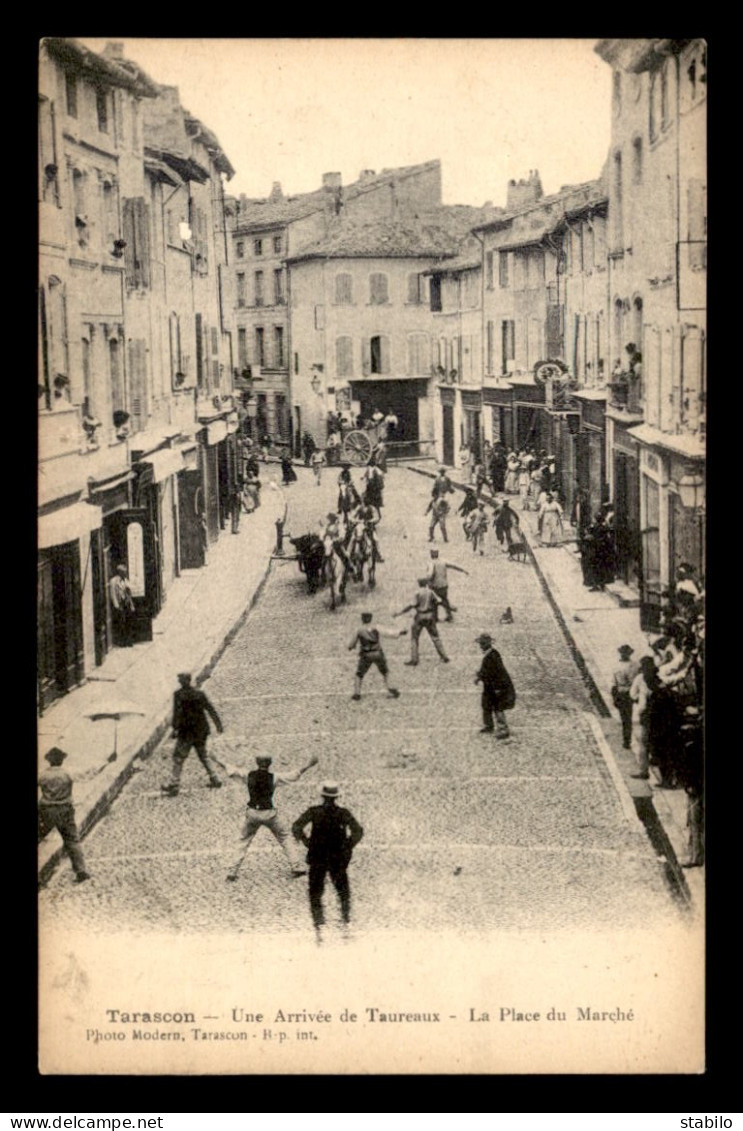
[550,517]
[535,489]
[513,466]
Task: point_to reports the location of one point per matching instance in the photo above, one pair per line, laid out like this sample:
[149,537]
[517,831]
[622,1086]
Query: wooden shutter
[138,382]
[366,357]
[384,353]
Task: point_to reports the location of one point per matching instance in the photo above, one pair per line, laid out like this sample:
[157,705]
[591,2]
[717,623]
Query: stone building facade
[120,422]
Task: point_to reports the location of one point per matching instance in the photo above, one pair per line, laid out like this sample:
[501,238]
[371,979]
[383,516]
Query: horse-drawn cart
[359,443]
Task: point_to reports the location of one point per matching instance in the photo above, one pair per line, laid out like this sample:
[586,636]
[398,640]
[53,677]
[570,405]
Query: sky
[491,110]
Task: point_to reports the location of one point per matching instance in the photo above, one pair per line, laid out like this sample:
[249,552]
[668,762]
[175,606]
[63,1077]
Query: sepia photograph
[371,555]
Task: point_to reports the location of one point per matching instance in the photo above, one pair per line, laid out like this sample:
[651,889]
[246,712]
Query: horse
[361,553]
[334,574]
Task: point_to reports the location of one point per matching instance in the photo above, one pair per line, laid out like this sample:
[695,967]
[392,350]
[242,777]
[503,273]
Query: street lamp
[316,384]
[691,489]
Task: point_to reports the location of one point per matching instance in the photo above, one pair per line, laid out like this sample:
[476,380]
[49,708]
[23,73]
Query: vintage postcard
[371,556]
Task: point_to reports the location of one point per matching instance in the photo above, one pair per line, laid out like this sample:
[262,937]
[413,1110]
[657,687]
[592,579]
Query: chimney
[276,193]
[113,51]
[522,193]
[365,174]
[331,180]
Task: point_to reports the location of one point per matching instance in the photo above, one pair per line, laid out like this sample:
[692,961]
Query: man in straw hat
[498,694]
[56,810]
[622,678]
[330,844]
[261,812]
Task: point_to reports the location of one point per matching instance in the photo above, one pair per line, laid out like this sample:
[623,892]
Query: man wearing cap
[261,812]
[335,833]
[498,694]
[190,728]
[56,810]
[442,485]
[425,604]
[370,652]
[438,580]
[622,678]
[439,509]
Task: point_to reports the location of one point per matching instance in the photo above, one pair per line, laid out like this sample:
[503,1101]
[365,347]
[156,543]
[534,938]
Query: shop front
[499,401]
[448,402]
[63,581]
[635,538]
[472,434]
[112,495]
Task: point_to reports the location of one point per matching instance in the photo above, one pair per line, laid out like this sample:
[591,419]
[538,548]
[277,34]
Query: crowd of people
[660,700]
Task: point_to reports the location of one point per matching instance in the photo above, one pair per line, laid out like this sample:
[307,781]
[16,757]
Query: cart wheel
[357,448]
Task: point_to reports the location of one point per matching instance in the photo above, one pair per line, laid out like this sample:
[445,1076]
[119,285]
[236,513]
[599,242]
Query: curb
[148,745]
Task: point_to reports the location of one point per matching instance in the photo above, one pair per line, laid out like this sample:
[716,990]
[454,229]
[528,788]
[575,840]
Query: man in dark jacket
[335,834]
[498,694]
[190,728]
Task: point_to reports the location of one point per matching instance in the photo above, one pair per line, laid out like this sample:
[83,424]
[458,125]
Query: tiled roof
[437,232]
[256,212]
[569,197]
[88,64]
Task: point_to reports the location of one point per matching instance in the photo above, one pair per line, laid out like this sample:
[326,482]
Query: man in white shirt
[438,580]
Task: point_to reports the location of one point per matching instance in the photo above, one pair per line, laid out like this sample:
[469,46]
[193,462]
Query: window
[87,378]
[637,161]
[241,288]
[278,347]
[118,396]
[617,91]
[215,341]
[508,344]
[343,290]
[258,247]
[259,288]
[378,293]
[664,101]
[137,237]
[489,270]
[242,348]
[278,287]
[377,355]
[696,193]
[419,355]
[277,245]
[502,268]
[71,94]
[617,201]
[435,293]
[240,249]
[344,357]
[471,289]
[260,346]
[416,288]
[535,264]
[101,109]
[48,170]
[82,230]
[490,348]
[176,361]
[200,375]
[110,216]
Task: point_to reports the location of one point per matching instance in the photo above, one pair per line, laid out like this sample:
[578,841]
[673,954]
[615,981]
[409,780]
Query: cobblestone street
[461,831]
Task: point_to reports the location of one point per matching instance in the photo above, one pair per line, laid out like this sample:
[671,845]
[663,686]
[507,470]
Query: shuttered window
[419,355]
[48,170]
[137,237]
[378,288]
[138,383]
[344,357]
[379,354]
[343,289]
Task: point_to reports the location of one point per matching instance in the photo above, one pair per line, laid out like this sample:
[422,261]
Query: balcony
[626,393]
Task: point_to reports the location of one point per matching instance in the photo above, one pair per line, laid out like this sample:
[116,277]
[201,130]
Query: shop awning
[690,447]
[164,464]
[216,432]
[68,524]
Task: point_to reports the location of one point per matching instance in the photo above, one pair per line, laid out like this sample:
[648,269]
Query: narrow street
[461,831]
